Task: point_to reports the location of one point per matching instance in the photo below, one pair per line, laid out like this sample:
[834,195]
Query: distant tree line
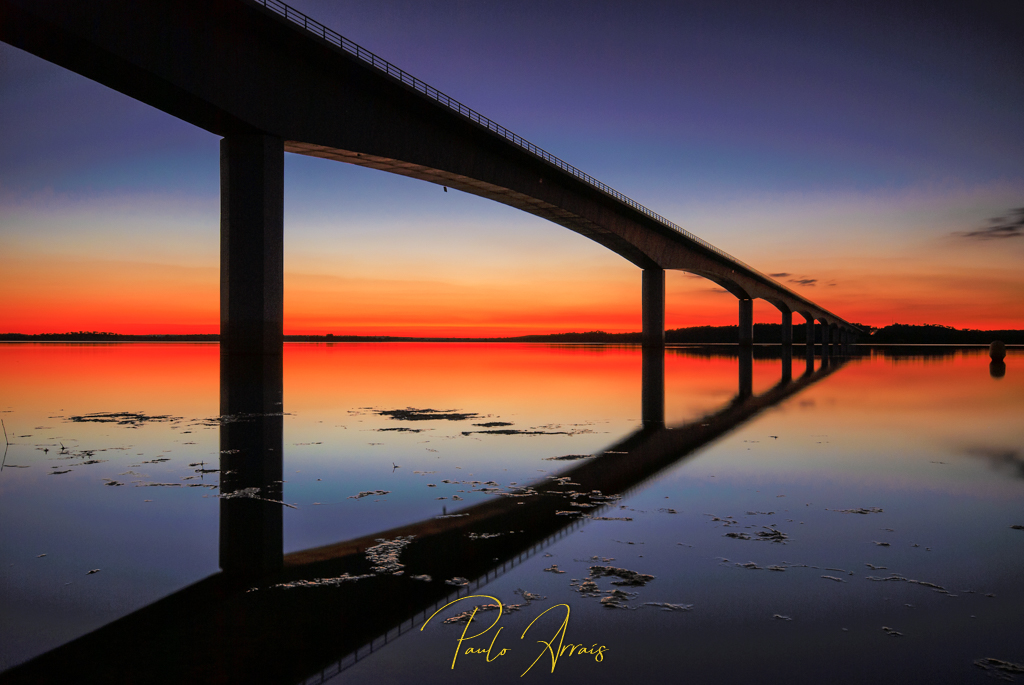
[763,333]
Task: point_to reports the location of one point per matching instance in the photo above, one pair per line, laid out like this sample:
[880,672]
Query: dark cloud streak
[1010,226]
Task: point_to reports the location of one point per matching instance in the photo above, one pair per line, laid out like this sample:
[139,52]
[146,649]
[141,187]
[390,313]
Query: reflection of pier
[216,631]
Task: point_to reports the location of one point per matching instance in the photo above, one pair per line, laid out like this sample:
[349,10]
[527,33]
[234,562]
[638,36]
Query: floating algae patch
[244,493]
[569,457]
[465,616]
[319,582]
[493,424]
[665,606]
[867,510]
[367,493]
[384,555]
[122,418]
[411,414]
[516,431]
[616,599]
[400,429]
[625,576]
[999,668]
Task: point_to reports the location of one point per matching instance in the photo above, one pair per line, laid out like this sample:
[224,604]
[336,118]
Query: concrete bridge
[269,79]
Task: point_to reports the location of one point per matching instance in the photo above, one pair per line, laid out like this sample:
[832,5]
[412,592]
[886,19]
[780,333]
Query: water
[851,525]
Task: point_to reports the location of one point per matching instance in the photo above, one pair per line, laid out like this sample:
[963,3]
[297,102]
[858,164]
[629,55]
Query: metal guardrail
[317,29]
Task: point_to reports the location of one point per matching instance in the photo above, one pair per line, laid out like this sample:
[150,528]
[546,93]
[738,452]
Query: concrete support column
[809,341]
[787,328]
[826,339]
[653,305]
[251,244]
[834,330]
[746,332]
[652,388]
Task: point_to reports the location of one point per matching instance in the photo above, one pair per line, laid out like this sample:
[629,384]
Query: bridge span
[269,79]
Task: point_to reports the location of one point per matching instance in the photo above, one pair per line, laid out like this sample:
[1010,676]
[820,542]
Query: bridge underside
[236,69]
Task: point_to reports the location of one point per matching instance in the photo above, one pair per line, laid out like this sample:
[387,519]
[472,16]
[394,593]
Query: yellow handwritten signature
[550,649]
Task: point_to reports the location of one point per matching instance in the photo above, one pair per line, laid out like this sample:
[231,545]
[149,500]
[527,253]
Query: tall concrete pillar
[746,332]
[653,305]
[809,340]
[251,244]
[826,339]
[834,328]
[652,387]
[787,328]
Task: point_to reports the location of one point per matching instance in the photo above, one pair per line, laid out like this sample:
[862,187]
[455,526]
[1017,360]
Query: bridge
[269,80]
[218,630]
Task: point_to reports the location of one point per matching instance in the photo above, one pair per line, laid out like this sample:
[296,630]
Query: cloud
[804,281]
[1010,226]
[781,275]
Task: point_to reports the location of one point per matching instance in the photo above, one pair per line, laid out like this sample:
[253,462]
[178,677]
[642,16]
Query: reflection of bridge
[269,80]
[215,631]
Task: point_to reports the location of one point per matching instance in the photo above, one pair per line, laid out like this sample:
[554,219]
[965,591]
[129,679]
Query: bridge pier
[251,244]
[826,339]
[787,328]
[746,332]
[653,307]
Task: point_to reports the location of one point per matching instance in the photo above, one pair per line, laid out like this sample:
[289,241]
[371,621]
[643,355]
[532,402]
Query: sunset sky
[849,149]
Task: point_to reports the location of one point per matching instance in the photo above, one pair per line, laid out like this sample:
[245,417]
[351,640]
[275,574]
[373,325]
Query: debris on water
[553,568]
[999,668]
[772,535]
[367,493]
[95,570]
[838,580]
[517,431]
[587,588]
[568,513]
[457,581]
[665,606]
[411,414]
[883,544]
[569,457]
[891,631]
[666,510]
[776,568]
[868,510]
[892,577]
[529,596]
[876,568]
[737,536]
[244,493]
[483,536]
[124,418]
[57,473]
[780,617]
[451,516]
[423,577]
[1017,526]
[763,513]
[749,565]
[616,599]
[112,482]
[384,555]
[40,556]
[319,582]
[493,424]
[626,577]
[609,518]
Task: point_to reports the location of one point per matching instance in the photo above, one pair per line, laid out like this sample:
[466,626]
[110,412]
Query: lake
[708,515]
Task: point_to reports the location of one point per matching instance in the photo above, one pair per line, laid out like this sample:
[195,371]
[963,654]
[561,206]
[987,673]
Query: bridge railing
[331,36]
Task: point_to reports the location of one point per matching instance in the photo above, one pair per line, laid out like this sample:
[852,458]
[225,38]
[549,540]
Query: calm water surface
[858,523]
